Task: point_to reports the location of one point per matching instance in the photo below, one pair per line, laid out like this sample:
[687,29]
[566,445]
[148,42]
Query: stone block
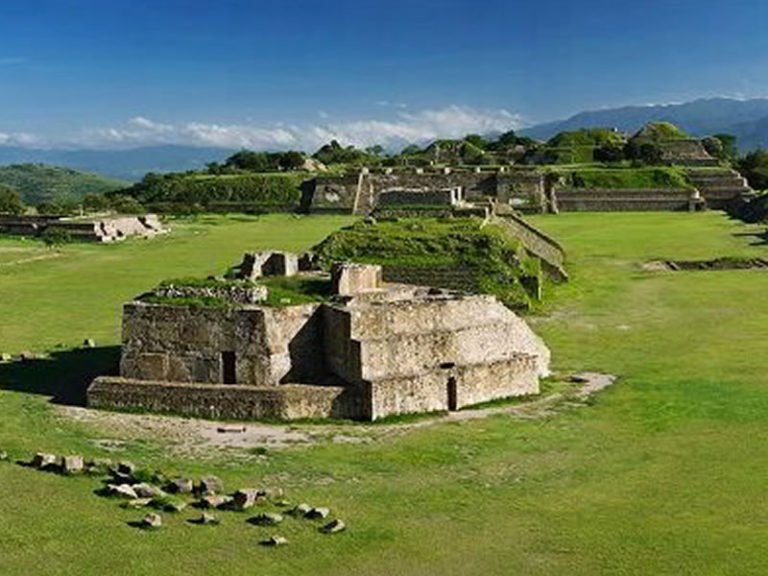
[349,279]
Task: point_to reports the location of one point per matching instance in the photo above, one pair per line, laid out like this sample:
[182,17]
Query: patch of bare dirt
[204,439]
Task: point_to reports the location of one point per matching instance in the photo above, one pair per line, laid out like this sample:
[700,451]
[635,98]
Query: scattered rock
[43,461]
[316,513]
[246,498]
[283,503]
[267,519]
[275,541]
[5,357]
[145,490]
[333,527]
[152,521]
[89,343]
[300,510]
[3,455]
[181,486]
[207,520]
[210,485]
[122,491]
[71,465]
[215,501]
[169,504]
[137,503]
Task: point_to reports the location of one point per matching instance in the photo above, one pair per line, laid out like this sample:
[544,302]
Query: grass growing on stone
[289,291]
[663,474]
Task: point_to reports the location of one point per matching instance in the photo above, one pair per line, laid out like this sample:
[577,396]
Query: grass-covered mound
[628,178]
[487,257]
[38,183]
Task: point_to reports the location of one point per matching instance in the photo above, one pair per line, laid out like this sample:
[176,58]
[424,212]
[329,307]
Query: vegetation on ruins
[488,254]
[603,178]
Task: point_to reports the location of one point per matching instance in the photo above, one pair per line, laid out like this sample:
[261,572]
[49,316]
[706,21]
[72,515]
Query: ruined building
[364,351]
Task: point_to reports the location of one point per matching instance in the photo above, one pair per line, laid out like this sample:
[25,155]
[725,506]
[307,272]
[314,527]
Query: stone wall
[359,193]
[621,200]
[458,278]
[536,243]
[287,402]
[186,344]
[453,388]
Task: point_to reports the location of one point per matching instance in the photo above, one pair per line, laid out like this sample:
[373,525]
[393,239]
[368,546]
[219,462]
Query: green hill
[42,183]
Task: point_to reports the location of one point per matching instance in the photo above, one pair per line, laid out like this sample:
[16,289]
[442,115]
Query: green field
[662,474]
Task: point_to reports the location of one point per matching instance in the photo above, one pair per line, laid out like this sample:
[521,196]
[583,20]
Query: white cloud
[404,127]
[19,139]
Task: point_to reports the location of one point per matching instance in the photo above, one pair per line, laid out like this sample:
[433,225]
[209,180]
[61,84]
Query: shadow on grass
[761,238]
[64,375]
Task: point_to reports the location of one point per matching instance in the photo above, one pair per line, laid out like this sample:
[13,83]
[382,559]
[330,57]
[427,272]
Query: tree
[754,167]
[476,140]
[10,201]
[291,160]
[96,203]
[53,237]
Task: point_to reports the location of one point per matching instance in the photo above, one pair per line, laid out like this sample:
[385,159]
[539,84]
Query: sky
[271,74]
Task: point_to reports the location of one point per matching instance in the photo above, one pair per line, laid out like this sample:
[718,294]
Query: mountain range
[745,119]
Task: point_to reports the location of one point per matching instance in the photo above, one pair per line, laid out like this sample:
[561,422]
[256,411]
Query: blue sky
[267,73]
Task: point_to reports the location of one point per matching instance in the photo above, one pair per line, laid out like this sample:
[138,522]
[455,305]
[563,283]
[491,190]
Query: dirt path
[204,439]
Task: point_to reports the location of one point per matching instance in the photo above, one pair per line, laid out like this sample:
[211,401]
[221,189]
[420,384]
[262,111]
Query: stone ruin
[368,351]
[99,229]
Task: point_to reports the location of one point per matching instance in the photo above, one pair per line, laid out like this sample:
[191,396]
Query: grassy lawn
[663,474]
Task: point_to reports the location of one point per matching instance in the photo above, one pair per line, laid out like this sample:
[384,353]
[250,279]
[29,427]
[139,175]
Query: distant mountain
[745,119]
[40,183]
[129,164]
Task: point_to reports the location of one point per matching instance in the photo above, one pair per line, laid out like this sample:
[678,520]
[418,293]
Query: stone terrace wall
[286,401]
[459,278]
[536,243]
[620,200]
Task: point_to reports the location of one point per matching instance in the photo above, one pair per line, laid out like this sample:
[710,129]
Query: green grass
[663,474]
[623,178]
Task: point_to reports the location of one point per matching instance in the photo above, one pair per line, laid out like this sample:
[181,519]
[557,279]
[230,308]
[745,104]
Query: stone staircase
[719,187]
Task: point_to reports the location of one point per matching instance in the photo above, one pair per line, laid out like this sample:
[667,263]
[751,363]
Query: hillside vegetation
[38,183]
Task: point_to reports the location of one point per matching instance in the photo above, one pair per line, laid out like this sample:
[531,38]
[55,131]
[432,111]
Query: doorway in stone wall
[453,393]
[228,368]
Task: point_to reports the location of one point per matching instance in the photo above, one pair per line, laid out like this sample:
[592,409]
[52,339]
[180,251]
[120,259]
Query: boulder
[316,513]
[333,527]
[275,541]
[145,490]
[168,504]
[267,519]
[44,461]
[137,503]
[3,456]
[208,519]
[300,510]
[181,486]
[211,485]
[152,521]
[5,357]
[122,491]
[89,343]
[215,501]
[98,467]
[246,498]
[71,465]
